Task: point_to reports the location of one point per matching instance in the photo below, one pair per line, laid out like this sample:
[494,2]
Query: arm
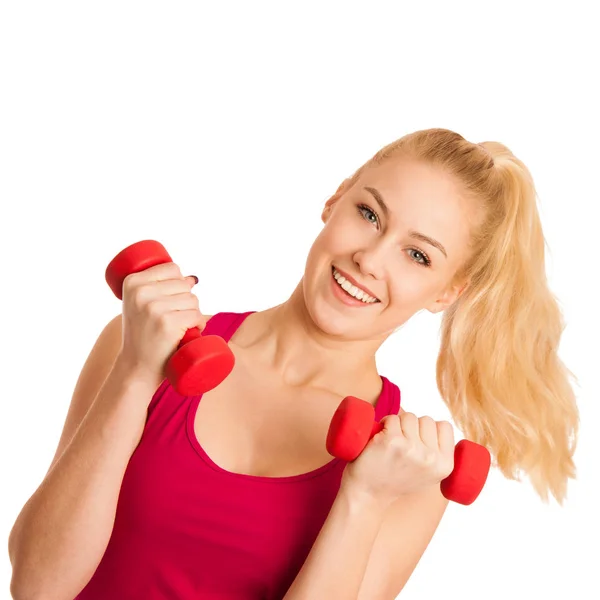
[62,531]
[409,526]
[365,553]
[337,561]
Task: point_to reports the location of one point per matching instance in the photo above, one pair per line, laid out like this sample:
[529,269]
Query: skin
[372,540]
[378,527]
[313,339]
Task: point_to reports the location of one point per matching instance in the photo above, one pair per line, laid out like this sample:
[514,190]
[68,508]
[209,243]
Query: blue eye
[426,262]
[363,208]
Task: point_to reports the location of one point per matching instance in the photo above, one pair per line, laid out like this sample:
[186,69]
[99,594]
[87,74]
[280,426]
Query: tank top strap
[389,401]
[224,324]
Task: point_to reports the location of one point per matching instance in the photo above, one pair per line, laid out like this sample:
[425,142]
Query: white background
[220,129]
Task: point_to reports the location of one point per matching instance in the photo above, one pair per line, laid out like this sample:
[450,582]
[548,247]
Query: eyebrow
[412,233]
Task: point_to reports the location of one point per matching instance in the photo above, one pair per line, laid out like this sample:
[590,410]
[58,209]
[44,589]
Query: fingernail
[195,279]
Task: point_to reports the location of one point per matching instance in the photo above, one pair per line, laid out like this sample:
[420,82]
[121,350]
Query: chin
[328,320]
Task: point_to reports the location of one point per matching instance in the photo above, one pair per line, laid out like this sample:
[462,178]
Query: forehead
[403,181]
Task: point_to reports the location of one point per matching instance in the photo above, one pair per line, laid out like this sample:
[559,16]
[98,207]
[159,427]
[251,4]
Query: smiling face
[373,235]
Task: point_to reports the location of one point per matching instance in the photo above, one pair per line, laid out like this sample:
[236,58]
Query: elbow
[29,582]
[19,588]
[16,591]
[24,587]
[26,582]
[20,591]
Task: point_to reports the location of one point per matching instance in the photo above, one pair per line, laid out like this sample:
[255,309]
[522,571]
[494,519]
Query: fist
[408,455]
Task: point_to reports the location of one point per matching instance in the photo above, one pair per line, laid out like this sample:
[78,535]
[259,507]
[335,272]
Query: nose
[370,260]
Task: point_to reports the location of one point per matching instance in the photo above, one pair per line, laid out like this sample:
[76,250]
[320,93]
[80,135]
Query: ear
[344,187]
[449,297]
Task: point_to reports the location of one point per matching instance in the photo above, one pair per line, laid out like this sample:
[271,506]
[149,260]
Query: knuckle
[445,428]
[397,445]
[164,321]
[430,458]
[129,282]
[175,271]
[141,295]
[390,420]
[408,450]
[153,309]
[407,417]
[427,424]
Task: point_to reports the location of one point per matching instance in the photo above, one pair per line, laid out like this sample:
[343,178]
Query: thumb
[192,279]
[391,428]
[391,425]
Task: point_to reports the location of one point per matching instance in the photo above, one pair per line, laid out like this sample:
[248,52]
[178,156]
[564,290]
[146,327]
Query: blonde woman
[232,494]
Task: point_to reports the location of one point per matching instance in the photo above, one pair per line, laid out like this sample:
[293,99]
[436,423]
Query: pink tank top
[187,529]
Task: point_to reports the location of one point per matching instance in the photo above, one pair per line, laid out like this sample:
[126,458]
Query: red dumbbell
[201,362]
[353,425]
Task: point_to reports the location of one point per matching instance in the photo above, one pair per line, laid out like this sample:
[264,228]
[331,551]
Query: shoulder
[97,365]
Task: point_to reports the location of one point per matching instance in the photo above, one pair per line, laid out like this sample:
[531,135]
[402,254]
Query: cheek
[330,241]
[319,253]
[411,286]
[345,232]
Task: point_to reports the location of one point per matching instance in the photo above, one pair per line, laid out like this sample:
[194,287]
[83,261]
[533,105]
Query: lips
[354,282]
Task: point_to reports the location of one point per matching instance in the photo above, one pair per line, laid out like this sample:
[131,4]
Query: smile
[350,293]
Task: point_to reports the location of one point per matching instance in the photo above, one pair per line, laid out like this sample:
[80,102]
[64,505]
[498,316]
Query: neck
[287,341]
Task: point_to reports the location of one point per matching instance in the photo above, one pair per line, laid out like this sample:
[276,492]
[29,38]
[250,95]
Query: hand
[408,455]
[158,308]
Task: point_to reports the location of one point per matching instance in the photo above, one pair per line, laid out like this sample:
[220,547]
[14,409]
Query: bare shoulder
[94,372]
[96,368]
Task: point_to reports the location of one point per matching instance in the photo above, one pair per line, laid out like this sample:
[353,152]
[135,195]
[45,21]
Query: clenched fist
[408,455]
[158,309]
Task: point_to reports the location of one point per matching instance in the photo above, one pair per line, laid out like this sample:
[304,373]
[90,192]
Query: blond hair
[498,368]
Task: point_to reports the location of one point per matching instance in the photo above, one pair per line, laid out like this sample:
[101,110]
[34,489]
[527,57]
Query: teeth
[352,289]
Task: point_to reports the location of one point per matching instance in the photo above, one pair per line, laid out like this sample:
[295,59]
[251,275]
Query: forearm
[338,560]
[63,530]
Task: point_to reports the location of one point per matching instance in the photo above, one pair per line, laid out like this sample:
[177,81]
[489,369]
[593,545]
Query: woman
[232,494]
